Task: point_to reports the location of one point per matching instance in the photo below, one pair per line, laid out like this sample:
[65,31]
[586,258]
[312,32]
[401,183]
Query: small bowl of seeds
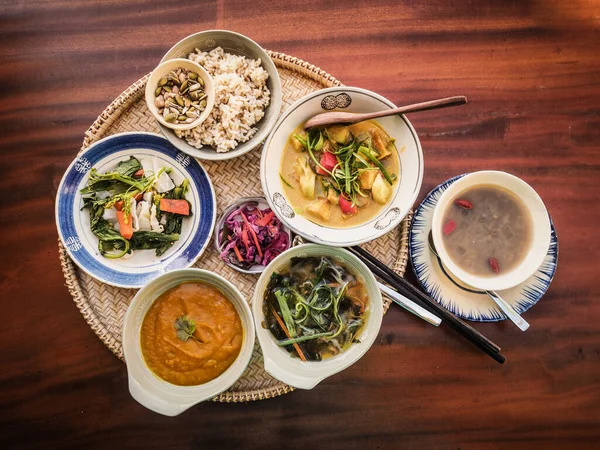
[180,94]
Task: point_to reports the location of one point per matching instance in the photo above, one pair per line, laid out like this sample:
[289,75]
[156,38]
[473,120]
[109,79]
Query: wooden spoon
[329,118]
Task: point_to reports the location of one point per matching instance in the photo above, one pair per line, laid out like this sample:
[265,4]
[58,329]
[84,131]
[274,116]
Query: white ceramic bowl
[262,204]
[540,222]
[162,70]
[349,99]
[150,390]
[307,374]
[236,44]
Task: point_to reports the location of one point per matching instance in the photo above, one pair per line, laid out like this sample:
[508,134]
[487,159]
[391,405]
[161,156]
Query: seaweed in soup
[321,305]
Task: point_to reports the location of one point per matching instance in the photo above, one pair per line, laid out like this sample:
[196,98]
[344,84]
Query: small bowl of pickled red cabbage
[249,235]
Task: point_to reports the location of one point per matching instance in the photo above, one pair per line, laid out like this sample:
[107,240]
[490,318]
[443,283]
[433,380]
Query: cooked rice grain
[241,97]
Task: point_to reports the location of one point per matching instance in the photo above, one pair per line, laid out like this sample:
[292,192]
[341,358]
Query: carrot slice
[125,224]
[175,206]
[119,205]
[265,219]
[254,237]
[237,253]
[287,333]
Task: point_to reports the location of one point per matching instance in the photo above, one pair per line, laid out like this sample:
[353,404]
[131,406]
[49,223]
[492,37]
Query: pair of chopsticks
[426,302]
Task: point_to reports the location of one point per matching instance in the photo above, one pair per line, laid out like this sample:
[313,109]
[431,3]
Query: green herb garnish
[285,181]
[185,328]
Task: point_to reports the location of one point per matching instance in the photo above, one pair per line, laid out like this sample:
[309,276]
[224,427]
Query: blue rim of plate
[189,248]
[468,303]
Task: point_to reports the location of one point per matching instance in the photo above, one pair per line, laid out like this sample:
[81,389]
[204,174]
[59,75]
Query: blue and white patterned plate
[74,224]
[460,299]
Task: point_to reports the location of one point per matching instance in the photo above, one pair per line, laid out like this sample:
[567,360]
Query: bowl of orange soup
[188,335]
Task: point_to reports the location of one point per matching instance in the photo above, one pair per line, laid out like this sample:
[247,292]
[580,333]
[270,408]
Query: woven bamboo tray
[104,306]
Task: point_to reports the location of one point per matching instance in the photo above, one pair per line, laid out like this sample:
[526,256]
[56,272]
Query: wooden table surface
[531,71]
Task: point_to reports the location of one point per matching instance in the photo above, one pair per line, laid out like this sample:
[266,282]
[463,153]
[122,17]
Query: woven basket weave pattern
[104,306]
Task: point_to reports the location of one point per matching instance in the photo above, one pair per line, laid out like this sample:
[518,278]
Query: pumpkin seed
[157,91]
[182,118]
[179,100]
[192,75]
[162,81]
[183,85]
[170,117]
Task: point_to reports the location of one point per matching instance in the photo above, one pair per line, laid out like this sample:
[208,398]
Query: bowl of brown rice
[247,99]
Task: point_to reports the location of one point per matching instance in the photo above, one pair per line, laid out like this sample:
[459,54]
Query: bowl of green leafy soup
[317,310]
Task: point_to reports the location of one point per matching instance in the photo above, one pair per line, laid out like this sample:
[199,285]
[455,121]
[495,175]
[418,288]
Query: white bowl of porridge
[491,230]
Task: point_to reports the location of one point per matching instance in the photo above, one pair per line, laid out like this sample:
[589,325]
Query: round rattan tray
[104,306]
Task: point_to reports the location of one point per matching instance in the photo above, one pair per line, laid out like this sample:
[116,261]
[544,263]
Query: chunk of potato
[333,197]
[340,134]
[296,143]
[366,178]
[381,144]
[306,177]
[320,208]
[382,190]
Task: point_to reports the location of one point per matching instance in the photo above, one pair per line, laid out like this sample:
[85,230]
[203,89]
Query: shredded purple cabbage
[236,234]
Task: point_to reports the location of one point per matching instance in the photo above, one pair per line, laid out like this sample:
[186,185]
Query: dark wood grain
[531,72]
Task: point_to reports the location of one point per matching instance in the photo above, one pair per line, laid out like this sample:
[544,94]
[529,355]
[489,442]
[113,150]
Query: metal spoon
[409,305]
[502,304]
[329,118]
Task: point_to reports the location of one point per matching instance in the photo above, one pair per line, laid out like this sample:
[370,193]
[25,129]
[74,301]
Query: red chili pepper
[465,204]
[449,227]
[493,262]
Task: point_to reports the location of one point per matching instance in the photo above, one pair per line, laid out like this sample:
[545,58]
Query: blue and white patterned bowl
[460,299]
[74,225]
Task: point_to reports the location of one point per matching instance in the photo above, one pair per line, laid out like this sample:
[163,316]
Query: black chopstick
[422,299]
